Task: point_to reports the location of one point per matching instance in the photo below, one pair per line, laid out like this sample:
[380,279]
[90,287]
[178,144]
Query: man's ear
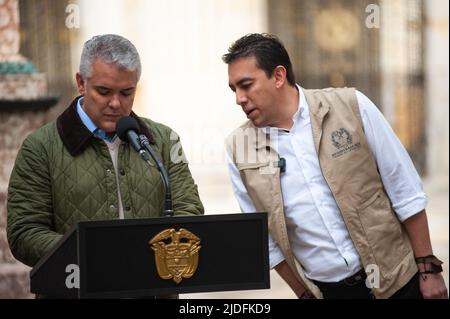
[80,83]
[280,76]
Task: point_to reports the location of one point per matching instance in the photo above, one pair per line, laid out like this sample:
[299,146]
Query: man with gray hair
[76,168]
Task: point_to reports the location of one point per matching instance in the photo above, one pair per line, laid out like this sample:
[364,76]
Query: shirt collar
[302,111]
[87,121]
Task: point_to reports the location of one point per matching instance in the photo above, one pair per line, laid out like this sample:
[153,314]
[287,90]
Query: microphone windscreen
[124,124]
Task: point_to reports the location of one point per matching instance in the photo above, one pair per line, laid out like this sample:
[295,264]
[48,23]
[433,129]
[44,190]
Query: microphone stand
[168,208]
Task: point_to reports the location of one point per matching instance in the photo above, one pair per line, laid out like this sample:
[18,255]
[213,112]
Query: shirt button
[112,207]
[127,208]
[122,172]
[108,171]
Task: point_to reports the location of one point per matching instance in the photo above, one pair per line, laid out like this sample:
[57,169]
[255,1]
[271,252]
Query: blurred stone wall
[25,98]
[437,93]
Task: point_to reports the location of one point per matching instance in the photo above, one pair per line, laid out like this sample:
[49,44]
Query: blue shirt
[91,125]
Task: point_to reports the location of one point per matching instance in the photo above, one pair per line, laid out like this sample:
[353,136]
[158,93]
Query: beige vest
[351,173]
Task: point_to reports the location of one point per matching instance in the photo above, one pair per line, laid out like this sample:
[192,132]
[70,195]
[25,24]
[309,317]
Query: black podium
[135,258]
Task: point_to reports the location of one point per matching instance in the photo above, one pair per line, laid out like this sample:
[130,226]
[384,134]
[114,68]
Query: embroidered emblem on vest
[341,138]
[343,141]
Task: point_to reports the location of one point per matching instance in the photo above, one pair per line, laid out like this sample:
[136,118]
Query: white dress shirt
[316,229]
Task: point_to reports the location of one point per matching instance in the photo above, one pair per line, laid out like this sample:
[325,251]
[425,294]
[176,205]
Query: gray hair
[111,49]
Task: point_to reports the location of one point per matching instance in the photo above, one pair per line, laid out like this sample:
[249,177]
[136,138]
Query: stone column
[18,77]
[23,101]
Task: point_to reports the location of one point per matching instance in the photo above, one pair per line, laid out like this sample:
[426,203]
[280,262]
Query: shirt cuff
[275,257]
[411,206]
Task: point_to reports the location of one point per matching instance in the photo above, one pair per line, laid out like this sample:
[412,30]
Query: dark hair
[268,51]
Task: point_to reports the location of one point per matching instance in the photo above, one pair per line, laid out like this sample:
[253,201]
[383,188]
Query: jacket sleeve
[30,214]
[185,197]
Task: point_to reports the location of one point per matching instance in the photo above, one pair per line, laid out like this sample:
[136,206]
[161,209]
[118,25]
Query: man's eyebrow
[243,80]
[107,88]
[238,83]
[102,87]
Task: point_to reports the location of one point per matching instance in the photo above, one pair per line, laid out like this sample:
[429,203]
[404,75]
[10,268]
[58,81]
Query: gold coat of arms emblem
[176,253]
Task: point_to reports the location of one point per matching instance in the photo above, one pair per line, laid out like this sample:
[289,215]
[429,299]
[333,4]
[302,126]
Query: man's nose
[114,102]
[241,98]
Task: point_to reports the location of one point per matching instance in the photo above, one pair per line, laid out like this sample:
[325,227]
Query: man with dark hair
[346,209]
[268,51]
[76,168]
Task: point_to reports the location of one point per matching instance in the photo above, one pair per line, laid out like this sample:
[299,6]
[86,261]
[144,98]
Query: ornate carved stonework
[18,77]
[23,86]
[9,32]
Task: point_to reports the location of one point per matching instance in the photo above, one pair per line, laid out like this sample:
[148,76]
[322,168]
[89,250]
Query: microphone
[282,164]
[127,129]
[168,209]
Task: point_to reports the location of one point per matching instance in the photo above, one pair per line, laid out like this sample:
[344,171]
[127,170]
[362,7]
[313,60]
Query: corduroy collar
[75,135]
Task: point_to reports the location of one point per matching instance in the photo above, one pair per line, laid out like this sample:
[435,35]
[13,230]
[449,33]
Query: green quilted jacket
[64,174]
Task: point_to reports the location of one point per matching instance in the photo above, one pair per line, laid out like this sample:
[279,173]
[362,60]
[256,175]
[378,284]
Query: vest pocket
[383,232]
[251,165]
[259,178]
